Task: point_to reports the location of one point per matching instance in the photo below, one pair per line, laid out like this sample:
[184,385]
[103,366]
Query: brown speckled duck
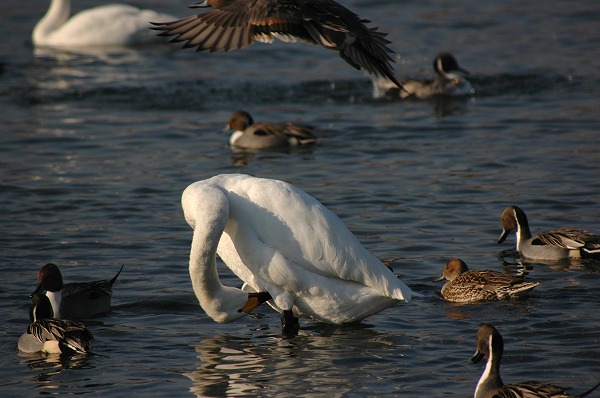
[467,286]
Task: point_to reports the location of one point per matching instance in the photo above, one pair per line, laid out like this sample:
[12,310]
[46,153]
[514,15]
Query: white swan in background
[108,25]
[285,246]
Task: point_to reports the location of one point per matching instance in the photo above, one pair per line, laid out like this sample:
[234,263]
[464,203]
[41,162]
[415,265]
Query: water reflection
[511,258]
[243,156]
[450,106]
[323,361]
[66,75]
[48,367]
[108,55]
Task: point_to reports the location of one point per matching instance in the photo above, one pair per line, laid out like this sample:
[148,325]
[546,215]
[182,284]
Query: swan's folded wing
[285,227]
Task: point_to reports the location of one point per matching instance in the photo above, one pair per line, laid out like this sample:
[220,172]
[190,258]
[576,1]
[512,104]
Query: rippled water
[97,148]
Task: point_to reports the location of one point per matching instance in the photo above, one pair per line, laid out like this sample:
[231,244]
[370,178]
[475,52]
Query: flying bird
[236,24]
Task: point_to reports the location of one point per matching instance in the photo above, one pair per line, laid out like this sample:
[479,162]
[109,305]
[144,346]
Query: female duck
[53,336]
[287,247]
[467,286]
[491,345]
[235,24]
[109,25]
[75,300]
[557,244]
[250,135]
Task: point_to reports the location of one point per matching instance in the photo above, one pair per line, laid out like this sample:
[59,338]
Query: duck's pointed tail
[112,281]
[583,394]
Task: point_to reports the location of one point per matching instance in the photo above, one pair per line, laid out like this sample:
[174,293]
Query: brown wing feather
[238,24]
[214,31]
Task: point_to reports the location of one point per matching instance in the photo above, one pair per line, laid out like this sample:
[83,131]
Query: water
[97,148]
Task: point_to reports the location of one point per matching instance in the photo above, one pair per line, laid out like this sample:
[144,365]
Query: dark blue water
[96,148]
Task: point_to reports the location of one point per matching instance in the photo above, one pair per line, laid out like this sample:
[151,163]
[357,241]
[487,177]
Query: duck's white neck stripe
[439,67]
[488,367]
[519,230]
[236,135]
[55,299]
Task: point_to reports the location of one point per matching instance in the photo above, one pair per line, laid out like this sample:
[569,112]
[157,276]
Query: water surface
[96,149]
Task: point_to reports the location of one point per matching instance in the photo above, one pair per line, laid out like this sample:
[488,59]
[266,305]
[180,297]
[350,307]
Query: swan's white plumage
[108,25]
[278,239]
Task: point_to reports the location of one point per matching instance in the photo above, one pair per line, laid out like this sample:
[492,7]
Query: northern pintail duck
[491,345]
[552,245]
[235,24]
[75,300]
[449,82]
[247,134]
[53,336]
[465,286]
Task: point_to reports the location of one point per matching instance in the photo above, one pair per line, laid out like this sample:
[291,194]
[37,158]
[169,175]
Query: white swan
[108,25]
[286,245]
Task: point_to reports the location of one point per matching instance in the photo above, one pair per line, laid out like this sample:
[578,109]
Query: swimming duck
[289,250]
[53,336]
[75,300]
[491,345]
[235,24]
[247,134]
[467,286]
[449,82]
[557,244]
[108,25]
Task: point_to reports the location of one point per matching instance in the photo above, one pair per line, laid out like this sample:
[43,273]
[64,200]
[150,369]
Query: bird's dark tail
[583,394]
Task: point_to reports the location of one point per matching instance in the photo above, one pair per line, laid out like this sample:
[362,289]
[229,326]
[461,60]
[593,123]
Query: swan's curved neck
[208,218]
[57,14]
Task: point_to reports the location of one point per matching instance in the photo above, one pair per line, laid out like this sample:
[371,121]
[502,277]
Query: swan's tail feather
[404,293]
